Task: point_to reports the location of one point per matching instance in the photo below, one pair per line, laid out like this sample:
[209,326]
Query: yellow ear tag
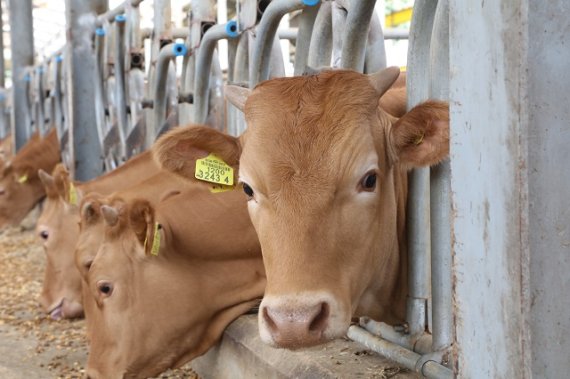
[72,194]
[23,179]
[156,240]
[217,188]
[214,170]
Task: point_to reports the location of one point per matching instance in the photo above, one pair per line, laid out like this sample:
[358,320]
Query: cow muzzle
[299,321]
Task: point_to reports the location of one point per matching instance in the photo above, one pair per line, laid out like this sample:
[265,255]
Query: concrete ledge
[241,354]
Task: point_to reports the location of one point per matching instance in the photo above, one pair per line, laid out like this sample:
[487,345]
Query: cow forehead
[308,129]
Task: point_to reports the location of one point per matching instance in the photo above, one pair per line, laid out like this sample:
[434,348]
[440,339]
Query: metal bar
[354,42]
[203,66]
[160,99]
[339,13]
[418,221]
[321,40]
[266,31]
[288,34]
[375,54]
[100,95]
[420,343]
[57,95]
[111,15]
[236,122]
[407,358]
[306,24]
[4,124]
[40,100]
[84,154]
[391,33]
[120,82]
[440,194]
[2,66]
[22,46]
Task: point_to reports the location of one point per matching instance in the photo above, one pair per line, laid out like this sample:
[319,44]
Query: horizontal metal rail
[120,9]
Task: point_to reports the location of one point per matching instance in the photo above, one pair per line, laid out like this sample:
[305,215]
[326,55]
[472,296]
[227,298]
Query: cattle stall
[487,229]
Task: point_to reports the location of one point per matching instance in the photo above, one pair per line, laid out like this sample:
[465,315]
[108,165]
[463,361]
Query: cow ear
[110,215]
[421,137]
[237,95]
[48,183]
[90,212]
[178,150]
[142,220]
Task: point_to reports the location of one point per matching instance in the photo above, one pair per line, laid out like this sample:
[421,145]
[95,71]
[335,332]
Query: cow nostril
[270,323]
[320,320]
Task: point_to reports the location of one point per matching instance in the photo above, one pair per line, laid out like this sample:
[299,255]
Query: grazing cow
[20,186]
[324,169]
[58,229]
[164,295]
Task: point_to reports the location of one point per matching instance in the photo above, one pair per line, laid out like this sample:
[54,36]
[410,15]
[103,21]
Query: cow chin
[301,320]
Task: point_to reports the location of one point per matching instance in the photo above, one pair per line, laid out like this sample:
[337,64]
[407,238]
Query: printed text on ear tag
[72,194]
[214,170]
[23,179]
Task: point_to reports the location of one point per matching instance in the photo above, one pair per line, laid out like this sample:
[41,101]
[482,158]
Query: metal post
[22,45]
[440,193]
[80,61]
[418,218]
[203,66]
[306,24]
[321,39]
[375,54]
[354,42]
[266,31]
[4,124]
[120,82]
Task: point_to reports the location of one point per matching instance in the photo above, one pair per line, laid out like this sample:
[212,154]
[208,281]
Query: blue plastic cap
[232,29]
[59,58]
[120,18]
[27,78]
[179,49]
[40,70]
[2,97]
[100,31]
[311,3]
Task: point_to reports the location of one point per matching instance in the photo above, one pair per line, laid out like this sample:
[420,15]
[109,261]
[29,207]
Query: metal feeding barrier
[109,96]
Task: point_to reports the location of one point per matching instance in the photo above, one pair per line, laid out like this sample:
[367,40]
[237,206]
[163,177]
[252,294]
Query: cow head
[20,186]
[57,229]
[324,171]
[155,305]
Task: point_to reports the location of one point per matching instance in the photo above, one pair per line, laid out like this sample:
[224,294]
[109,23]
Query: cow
[58,230]
[168,279]
[20,186]
[324,169]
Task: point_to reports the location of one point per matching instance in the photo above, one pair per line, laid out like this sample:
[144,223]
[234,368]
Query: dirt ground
[31,344]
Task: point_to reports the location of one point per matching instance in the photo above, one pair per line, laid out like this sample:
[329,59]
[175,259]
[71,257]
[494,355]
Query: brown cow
[20,186]
[153,312]
[325,172]
[58,230]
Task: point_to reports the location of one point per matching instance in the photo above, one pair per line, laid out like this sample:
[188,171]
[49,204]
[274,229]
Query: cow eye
[105,288]
[248,190]
[44,235]
[368,183]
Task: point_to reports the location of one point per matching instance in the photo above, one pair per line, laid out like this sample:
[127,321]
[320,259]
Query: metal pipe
[57,95]
[266,31]
[120,82]
[375,54]
[22,46]
[306,24]
[160,99]
[4,124]
[410,360]
[288,34]
[100,98]
[442,317]
[420,343]
[84,155]
[236,119]
[111,15]
[40,100]
[418,221]
[354,42]
[321,40]
[339,13]
[392,33]
[203,66]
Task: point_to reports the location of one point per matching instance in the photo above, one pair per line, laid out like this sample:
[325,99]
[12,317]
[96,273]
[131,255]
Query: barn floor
[31,344]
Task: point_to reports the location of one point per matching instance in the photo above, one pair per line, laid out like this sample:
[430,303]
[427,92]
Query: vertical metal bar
[40,100]
[100,98]
[80,61]
[22,46]
[418,213]
[58,113]
[266,32]
[203,66]
[4,124]
[440,193]
[375,55]
[306,24]
[354,42]
[321,40]
[339,13]
[120,82]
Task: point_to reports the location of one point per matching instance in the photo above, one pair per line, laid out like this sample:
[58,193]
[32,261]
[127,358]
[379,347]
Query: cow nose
[297,327]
